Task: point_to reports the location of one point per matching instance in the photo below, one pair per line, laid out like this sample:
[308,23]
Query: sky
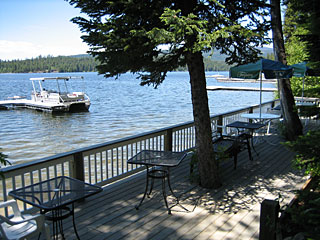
[30,28]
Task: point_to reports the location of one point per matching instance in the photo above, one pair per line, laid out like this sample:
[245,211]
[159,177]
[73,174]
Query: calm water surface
[119,108]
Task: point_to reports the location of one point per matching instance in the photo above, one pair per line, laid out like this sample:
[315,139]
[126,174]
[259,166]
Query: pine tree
[128,35]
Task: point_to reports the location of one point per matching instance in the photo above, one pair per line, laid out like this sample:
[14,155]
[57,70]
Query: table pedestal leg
[74,224]
[57,217]
[57,227]
[151,187]
[164,194]
[145,191]
[160,174]
[169,184]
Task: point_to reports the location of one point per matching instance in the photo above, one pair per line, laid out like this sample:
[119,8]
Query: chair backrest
[12,207]
[275,110]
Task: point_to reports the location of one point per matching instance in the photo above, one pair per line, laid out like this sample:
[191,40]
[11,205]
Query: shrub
[307,148]
[311,86]
[3,161]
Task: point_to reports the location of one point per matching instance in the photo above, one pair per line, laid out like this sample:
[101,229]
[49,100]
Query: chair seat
[20,230]
[223,145]
[232,145]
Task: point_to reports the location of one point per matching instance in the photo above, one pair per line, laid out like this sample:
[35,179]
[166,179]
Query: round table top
[263,116]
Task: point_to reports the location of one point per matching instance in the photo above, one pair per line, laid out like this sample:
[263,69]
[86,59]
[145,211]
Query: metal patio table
[251,127]
[158,164]
[246,125]
[53,196]
[262,118]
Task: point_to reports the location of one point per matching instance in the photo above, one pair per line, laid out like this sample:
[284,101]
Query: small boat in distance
[58,100]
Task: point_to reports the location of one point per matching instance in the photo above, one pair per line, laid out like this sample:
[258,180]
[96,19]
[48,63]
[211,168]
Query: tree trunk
[208,165]
[290,116]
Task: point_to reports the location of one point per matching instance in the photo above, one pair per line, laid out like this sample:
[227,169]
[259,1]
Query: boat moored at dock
[58,100]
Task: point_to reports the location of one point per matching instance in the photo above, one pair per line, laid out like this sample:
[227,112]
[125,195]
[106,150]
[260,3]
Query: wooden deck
[230,212]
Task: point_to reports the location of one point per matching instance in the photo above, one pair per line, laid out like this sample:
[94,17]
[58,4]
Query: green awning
[300,69]
[271,70]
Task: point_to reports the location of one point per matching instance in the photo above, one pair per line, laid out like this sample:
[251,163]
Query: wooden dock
[230,212]
[218,88]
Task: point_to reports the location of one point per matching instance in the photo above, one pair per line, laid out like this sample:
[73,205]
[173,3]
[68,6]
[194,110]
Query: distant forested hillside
[86,63]
[78,63]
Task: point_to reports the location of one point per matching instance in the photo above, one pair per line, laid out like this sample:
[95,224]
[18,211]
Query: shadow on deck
[230,212]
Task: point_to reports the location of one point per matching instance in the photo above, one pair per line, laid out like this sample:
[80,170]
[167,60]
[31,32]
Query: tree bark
[291,119]
[208,165]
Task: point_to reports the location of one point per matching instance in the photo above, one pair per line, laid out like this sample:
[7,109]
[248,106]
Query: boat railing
[86,97]
[104,163]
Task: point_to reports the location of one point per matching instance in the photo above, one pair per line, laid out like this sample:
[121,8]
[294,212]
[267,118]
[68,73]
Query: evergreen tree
[128,35]
[291,119]
[304,22]
[296,49]
[50,64]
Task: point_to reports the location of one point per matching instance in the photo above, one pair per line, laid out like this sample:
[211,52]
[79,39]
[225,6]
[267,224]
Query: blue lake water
[119,108]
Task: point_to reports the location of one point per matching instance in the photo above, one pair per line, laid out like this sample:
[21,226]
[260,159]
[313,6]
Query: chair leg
[268,129]
[46,231]
[164,194]
[235,160]
[151,187]
[249,149]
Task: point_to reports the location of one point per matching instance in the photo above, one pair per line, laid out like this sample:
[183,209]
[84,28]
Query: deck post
[220,123]
[168,140]
[78,166]
[268,219]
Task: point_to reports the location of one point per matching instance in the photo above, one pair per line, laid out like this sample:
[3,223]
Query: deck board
[230,212]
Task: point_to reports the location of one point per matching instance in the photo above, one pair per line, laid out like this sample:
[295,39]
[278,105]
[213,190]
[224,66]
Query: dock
[25,103]
[5,104]
[226,79]
[222,78]
[218,88]
[46,106]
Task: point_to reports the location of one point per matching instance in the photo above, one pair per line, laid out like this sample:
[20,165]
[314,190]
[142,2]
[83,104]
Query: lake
[119,108]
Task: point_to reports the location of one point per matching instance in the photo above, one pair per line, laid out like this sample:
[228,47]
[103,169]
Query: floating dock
[6,104]
[217,88]
[222,78]
[26,103]
[233,80]
[42,106]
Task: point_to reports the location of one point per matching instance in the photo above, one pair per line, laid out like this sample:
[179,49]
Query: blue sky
[29,28]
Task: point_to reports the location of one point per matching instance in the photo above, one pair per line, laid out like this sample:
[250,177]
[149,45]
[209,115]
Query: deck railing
[107,162]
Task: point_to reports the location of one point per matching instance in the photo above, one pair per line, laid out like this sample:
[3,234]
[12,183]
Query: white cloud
[10,50]
[16,50]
